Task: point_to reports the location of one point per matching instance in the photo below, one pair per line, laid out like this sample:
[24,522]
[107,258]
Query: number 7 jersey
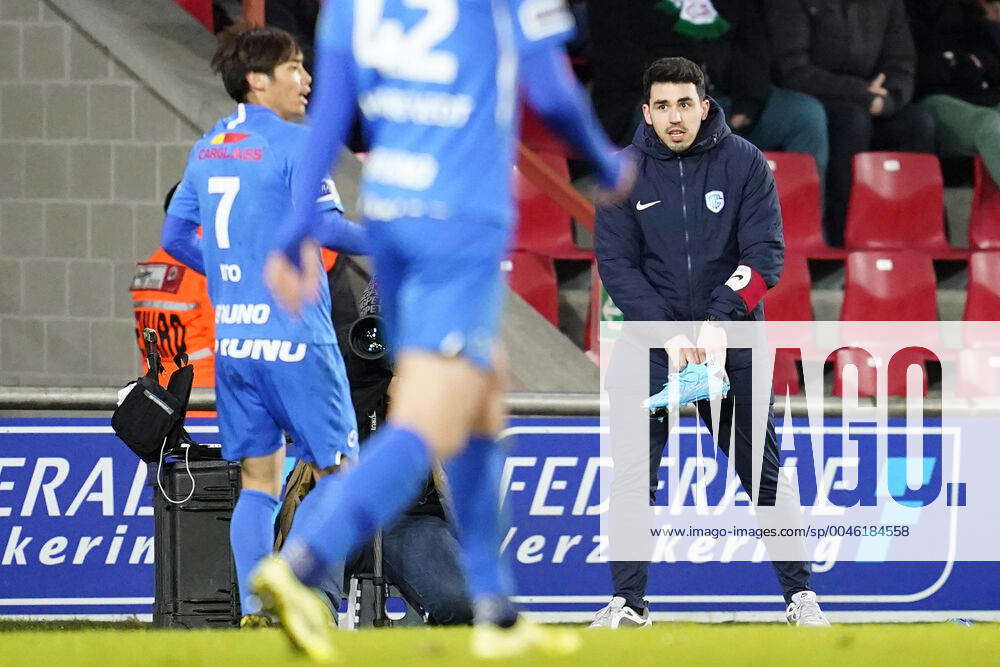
[237,186]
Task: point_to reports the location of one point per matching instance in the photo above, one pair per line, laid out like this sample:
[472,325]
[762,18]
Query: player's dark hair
[252,50]
[673,70]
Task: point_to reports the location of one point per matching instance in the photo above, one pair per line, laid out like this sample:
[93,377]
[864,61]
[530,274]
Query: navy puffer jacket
[667,251]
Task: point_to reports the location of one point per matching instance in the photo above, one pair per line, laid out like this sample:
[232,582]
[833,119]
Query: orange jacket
[172,299]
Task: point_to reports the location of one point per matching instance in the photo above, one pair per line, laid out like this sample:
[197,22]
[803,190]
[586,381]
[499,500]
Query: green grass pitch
[665,644]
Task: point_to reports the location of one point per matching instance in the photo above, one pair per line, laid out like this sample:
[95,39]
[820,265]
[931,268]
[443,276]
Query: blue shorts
[256,399]
[440,285]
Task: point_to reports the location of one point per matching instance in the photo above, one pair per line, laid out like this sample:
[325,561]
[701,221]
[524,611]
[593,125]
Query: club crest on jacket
[715,200]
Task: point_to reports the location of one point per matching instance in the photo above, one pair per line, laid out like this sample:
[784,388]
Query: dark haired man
[699,239]
[728,40]
[273,372]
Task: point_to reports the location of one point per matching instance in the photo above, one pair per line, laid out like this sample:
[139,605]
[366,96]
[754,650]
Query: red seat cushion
[797,181]
[897,201]
[790,300]
[869,367]
[891,285]
[984,219]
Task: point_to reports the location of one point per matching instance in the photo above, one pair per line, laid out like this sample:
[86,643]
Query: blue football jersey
[237,185]
[437,87]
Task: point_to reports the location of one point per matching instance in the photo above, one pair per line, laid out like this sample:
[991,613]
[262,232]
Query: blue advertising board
[76,538]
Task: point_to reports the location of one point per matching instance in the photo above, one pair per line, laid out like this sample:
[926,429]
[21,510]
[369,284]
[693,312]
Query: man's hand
[877,106]
[712,341]
[877,86]
[293,288]
[622,189]
[681,352]
[878,89]
[739,120]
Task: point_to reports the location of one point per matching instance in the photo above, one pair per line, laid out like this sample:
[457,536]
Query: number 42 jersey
[436,83]
[237,185]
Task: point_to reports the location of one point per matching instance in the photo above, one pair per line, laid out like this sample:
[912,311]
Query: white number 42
[383,44]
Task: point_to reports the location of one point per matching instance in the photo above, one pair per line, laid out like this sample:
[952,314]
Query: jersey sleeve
[334,26]
[541,23]
[184,203]
[327,197]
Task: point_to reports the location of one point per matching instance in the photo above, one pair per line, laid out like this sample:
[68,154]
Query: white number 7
[228,187]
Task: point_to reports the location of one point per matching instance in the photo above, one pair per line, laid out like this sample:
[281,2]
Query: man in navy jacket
[699,239]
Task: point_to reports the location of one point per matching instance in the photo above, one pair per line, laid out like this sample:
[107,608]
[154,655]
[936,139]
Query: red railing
[560,191]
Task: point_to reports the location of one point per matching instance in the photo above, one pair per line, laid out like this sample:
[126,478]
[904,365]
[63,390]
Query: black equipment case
[196,584]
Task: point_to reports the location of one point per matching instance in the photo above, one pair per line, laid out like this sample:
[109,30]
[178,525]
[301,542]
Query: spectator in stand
[728,39]
[958,74]
[857,57]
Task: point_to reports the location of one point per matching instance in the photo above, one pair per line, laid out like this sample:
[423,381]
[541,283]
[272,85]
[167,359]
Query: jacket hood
[713,130]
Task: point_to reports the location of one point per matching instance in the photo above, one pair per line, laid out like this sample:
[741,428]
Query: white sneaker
[618,615]
[804,610]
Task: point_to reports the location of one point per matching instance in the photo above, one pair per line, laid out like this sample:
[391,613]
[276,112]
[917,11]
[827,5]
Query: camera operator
[420,554]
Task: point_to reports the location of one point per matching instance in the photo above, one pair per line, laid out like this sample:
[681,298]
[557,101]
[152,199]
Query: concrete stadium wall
[87,153]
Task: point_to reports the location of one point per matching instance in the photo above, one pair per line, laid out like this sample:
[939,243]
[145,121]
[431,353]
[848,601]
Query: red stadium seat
[984,220]
[543,226]
[201,10]
[797,181]
[982,301]
[789,300]
[533,277]
[868,368]
[897,201]
[537,137]
[891,285]
[786,373]
[978,373]
[865,365]
[888,285]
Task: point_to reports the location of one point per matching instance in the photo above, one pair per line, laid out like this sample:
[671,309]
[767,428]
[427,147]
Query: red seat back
[984,220]
[897,201]
[533,277]
[891,285]
[789,300]
[982,301]
[797,181]
[786,372]
[868,367]
[978,373]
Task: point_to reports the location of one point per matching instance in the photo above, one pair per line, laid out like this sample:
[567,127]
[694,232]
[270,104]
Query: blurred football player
[438,89]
